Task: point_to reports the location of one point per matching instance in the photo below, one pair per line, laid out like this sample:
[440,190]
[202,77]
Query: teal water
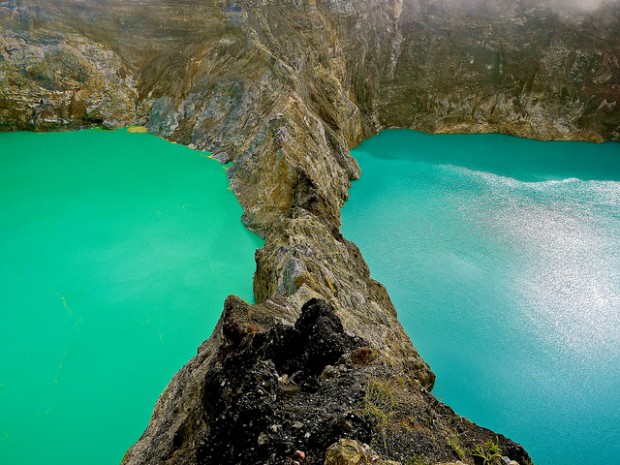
[117,251]
[502,256]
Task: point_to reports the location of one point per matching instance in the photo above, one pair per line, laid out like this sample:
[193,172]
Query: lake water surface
[117,251]
[502,256]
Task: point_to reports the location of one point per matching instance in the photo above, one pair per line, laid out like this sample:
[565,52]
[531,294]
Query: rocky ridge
[283,89]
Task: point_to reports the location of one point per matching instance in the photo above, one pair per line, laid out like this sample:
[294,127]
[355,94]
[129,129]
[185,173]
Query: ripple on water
[505,270]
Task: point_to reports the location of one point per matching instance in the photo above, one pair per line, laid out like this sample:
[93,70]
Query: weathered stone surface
[51,81]
[283,89]
[255,393]
[351,452]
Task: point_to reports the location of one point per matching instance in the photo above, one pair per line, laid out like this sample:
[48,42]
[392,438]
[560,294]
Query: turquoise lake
[117,251]
[502,257]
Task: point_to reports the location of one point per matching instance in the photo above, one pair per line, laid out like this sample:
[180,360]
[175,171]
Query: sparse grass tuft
[489,452]
[418,459]
[455,443]
[379,402]
[379,405]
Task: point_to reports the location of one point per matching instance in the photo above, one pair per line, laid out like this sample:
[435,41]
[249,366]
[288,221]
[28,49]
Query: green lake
[117,251]
[502,256]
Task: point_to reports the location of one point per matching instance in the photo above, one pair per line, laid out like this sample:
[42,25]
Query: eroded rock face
[276,387]
[283,89]
[200,71]
[268,387]
[53,81]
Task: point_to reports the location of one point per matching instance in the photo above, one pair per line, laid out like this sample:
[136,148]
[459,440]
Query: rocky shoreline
[319,370]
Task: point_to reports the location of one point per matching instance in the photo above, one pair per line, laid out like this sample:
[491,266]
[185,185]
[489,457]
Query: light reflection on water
[568,269]
[502,256]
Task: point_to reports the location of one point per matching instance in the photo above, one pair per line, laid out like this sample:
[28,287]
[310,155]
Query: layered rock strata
[283,89]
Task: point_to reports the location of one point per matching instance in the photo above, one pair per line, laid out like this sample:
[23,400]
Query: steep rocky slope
[283,89]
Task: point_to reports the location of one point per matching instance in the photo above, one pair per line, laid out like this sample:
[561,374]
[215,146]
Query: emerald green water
[502,256]
[117,251]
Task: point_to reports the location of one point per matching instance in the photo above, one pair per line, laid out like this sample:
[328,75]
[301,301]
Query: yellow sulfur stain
[137,129]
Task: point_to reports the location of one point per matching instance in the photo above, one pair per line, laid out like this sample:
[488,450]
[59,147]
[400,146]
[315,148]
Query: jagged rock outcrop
[283,89]
[274,386]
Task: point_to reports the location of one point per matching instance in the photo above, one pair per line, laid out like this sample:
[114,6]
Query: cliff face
[521,67]
[513,67]
[283,89]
